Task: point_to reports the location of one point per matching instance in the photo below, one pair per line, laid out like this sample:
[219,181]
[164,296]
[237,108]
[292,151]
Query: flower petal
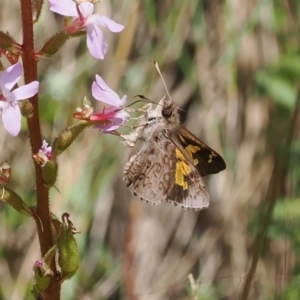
[9,77]
[123,101]
[119,118]
[25,91]
[11,117]
[122,114]
[106,22]
[87,9]
[95,41]
[64,7]
[102,92]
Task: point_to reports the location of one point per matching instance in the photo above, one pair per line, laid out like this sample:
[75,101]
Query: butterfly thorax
[156,121]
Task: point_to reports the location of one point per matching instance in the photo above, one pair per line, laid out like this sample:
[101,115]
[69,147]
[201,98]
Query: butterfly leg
[129,139]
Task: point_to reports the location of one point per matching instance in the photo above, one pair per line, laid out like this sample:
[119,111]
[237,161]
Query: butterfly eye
[167,112]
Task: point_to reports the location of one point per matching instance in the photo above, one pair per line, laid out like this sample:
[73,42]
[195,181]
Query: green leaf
[287,210]
[291,64]
[278,89]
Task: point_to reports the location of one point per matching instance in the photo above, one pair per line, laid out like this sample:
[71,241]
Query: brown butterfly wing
[162,172]
[206,160]
[151,171]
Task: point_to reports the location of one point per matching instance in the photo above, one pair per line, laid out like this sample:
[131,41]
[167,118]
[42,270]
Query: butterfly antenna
[142,99]
[145,99]
[159,72]
[137,101]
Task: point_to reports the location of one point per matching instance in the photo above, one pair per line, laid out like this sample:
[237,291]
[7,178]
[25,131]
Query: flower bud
[42,275]
[26,108]
[48,163]
[68,258]
[5,172]
[55,43]
[49,172]
[67,137]
[8,43]
[42,272]
[10,197]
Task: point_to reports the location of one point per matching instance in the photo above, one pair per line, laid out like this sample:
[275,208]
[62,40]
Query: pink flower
[108,119]
[46,150]
[9,109]
[117,115]
[102,92]
[44,154]
[84,18]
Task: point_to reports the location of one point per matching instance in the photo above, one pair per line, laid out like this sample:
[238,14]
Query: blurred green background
[233,67]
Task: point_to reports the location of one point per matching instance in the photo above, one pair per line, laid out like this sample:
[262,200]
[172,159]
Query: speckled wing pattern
[163,170]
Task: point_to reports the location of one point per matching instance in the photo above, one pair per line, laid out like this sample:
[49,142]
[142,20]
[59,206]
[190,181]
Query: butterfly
[168,162]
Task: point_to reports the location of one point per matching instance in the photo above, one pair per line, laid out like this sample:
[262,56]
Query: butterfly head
[165,109]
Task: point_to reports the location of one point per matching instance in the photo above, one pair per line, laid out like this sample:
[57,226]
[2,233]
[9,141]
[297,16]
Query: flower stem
[35,137]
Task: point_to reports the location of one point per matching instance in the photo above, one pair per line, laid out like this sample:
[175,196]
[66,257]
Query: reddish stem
[42,207]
